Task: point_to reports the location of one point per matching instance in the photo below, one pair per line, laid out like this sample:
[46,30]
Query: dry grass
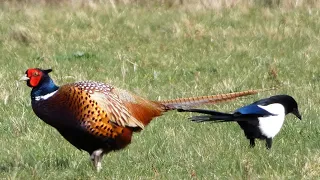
[187,4]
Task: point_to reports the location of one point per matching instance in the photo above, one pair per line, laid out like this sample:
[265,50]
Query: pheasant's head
[40,82]
[35,77]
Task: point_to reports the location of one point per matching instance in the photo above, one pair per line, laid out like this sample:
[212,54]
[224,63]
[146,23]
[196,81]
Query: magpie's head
[289,103]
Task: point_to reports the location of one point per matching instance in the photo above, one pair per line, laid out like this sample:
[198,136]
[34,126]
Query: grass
[161,53]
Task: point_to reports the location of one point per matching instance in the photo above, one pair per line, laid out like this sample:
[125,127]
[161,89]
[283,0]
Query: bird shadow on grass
[49,164]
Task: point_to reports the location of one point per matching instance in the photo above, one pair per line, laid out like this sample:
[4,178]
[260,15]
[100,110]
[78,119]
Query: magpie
[262,119]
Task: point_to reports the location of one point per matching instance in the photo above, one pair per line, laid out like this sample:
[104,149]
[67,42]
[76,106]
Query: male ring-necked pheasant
[97,117]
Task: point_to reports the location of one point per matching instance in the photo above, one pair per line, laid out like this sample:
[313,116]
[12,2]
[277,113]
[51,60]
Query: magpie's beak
[24,78]
[296,113]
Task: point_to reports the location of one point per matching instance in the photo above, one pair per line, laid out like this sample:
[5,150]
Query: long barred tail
[197,101]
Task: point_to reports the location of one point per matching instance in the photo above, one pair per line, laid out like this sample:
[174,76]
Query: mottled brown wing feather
[116,109]
[139,108]
[109,108]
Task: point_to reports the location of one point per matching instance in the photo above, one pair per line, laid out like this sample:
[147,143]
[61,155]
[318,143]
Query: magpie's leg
[252,143]
[268,143]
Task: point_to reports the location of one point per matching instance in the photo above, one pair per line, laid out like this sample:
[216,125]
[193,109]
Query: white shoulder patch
[45,97]
[271,125]
[275,108]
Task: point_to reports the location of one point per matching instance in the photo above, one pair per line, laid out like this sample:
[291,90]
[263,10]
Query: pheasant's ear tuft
[47,71]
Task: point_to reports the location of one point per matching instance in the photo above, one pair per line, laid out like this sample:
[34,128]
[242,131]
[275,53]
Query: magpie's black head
[289,103]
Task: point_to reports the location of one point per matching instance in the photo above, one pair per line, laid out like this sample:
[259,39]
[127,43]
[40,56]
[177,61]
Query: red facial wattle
[34,76]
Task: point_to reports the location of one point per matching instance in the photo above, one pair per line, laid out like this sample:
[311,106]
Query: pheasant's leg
[96,158]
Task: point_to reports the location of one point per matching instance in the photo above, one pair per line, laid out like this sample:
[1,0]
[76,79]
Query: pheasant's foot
[96,158]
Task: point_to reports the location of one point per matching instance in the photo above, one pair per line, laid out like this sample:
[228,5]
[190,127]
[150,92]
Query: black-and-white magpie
[262,119]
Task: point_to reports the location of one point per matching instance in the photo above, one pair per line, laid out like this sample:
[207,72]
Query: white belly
[271,125]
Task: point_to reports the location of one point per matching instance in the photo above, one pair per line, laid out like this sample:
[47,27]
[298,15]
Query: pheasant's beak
[24,78]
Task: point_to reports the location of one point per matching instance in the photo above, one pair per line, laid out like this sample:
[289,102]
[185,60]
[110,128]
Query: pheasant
[97,117]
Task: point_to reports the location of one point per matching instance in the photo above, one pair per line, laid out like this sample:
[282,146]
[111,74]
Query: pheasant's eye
[35,73]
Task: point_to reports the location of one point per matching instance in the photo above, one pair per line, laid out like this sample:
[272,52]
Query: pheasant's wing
[115,109]
[116,106]
[97,109]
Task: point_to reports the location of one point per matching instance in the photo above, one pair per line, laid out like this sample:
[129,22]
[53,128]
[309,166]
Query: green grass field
[162,52]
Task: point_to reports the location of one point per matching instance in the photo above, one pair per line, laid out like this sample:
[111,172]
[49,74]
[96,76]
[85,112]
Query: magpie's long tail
[211,115]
